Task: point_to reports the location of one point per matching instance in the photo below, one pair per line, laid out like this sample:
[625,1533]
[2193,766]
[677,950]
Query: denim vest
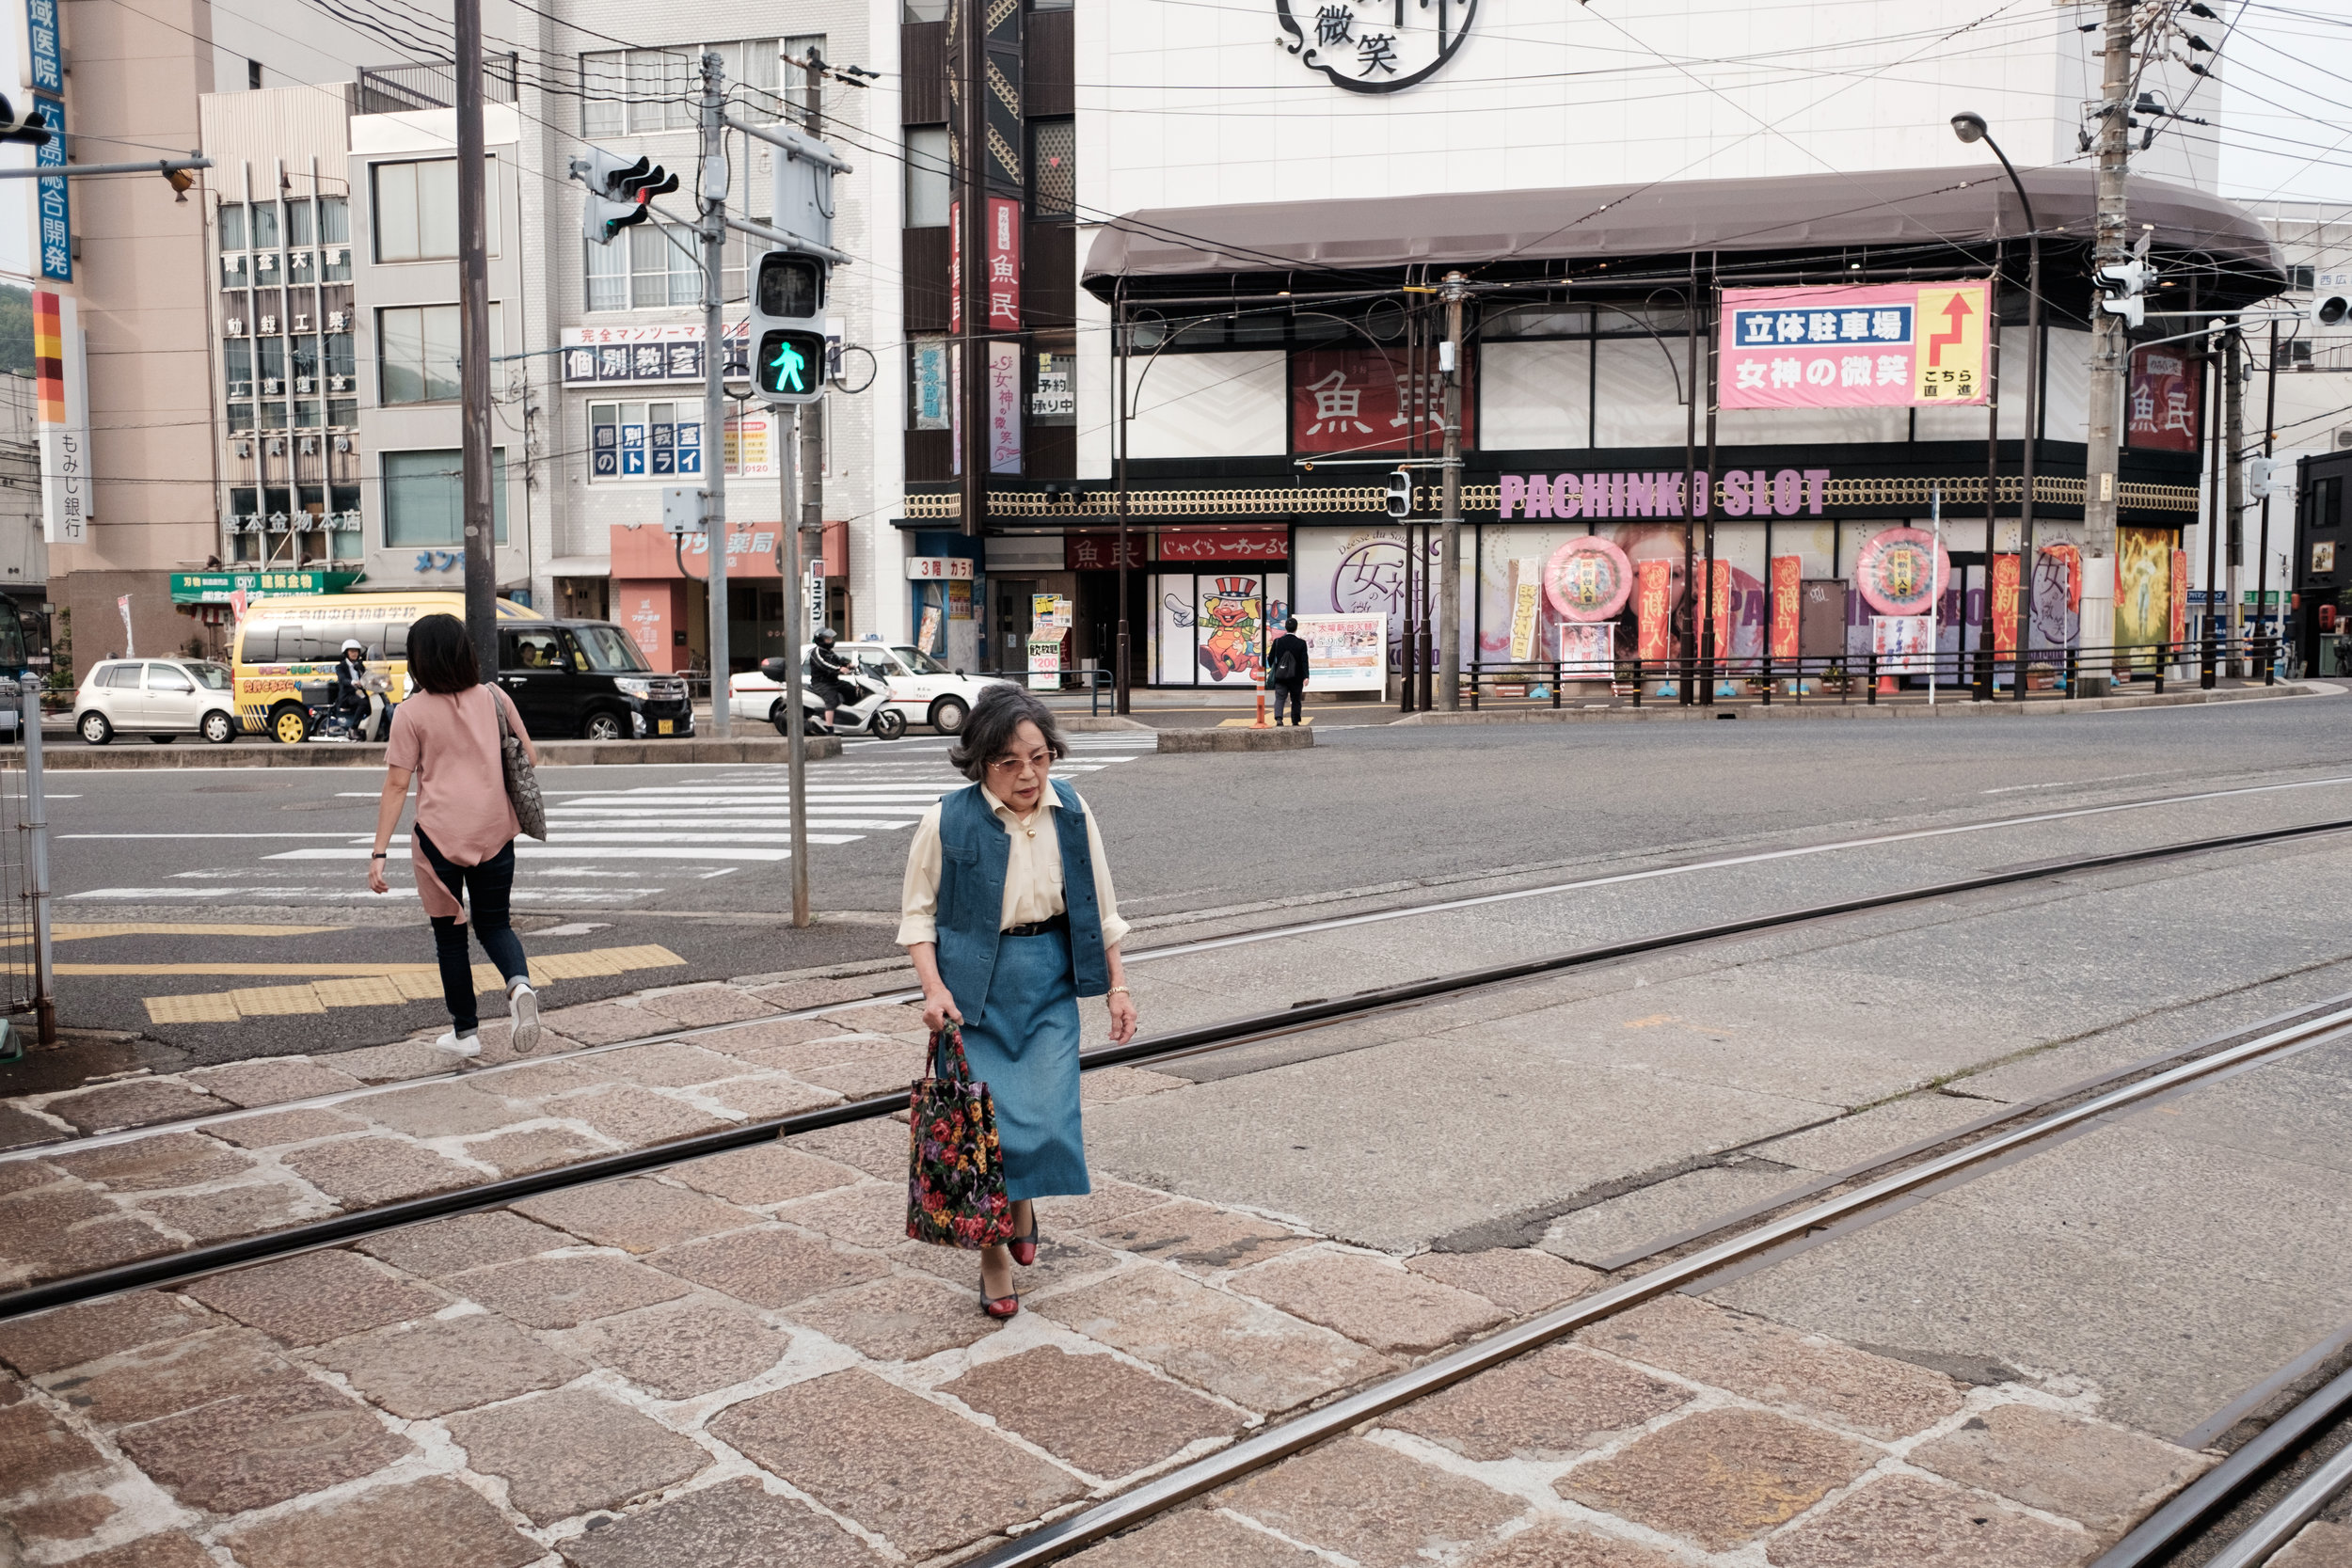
[974,849]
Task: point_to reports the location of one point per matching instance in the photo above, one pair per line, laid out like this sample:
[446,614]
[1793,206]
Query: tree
[16,330]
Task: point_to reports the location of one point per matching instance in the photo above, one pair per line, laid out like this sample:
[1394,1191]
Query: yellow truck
[286,641]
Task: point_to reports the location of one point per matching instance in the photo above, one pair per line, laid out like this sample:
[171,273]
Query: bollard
[1872,700]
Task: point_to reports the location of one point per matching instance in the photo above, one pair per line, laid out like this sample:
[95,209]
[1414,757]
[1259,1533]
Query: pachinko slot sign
[1898,345]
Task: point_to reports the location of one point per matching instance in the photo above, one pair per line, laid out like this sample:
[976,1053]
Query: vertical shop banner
[955,268]
[1524,588]
[2178,632]
[1719,609]
[1853,346]
[1354,399]
[2162,411]
[61,391]
[50,201]
[930,384]
[1004,264]
[1788,604]
[1653,603]
[955,409]
[130,649]
[1049,635]
[2004,609]
[1004,408]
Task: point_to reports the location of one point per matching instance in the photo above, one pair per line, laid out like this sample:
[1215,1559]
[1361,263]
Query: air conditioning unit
[2343,439]
[342,443]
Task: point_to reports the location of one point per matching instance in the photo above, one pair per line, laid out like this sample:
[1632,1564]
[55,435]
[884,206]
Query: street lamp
[1970,127]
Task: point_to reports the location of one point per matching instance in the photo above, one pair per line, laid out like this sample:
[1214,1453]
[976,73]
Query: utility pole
[967,263]
[2266,642]
[712,188]
[795,717]
[1449,502]
[811,419]
[473,350]
[2234,419]
[2108,350]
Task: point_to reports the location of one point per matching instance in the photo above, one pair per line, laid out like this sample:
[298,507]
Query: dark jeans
[485,889]
[1295,693]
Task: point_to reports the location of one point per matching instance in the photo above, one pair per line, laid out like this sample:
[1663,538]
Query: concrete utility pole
[473,350]
[713,191]
[967,265]
[2233,420]
[811,419]
[2108,350]
[795,716]
[1449,502]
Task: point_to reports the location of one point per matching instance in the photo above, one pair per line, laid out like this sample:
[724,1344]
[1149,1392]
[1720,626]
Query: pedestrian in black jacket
[1286,672]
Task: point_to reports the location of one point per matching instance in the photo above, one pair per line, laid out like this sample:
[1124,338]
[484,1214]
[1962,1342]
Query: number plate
[661,727]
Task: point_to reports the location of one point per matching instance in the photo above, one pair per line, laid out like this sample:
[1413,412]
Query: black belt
[1039,927]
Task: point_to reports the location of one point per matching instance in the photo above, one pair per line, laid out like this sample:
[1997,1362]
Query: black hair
[1002,709]
[1291,623]
[440,654]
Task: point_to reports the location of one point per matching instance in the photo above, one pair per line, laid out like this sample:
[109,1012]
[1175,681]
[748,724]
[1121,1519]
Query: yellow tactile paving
[267,1001]
[372,991]
[192,1009]
[255,970]
[361,985]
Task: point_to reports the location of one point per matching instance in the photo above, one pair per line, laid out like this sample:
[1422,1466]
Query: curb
[552,754]
[1957,709]
[1236,740]
[1080,724]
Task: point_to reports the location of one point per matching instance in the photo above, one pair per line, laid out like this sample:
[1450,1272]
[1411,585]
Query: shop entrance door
[1013,622]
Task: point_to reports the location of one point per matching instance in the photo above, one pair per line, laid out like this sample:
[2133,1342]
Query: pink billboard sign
[1892,345]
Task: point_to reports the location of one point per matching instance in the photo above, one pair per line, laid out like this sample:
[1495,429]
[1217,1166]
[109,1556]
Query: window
[928,181]
[923,10]
[232,225]
[532,650]
[298,224]
[240,416]
[417,347]
[424,498]
[416,211]
[120,677]
[306,364]
[341,372]
[168,677]
[643,441]
[343,414]
[240,365]
[214,676]
[335,220]
[265,224]
[1053,168]
[919,661]
[658,266]
[638,92]
[607,650]
[232,270]
[272,352]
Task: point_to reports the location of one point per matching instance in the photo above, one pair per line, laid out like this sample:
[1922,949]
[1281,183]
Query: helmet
[826,636]
[353,645]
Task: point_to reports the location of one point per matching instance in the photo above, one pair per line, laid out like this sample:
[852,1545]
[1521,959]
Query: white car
[161,699]
[922,690]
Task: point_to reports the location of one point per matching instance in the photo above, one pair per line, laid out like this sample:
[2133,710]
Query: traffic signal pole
[2108,338]
[1450,504]
[712,188]
[810,419]
[473,350]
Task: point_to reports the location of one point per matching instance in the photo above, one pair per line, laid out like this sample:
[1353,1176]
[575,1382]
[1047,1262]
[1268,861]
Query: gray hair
[1001,709]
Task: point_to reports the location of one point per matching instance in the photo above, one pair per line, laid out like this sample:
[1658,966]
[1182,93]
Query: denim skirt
[1024,1048]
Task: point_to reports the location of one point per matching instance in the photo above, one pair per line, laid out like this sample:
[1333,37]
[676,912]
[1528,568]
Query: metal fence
[392,89]
[26,969]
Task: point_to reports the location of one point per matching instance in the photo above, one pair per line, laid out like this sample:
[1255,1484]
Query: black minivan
[587,680]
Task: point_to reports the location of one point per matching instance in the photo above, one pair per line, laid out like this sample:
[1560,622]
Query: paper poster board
[1346,653]
[1588,651]
[1902,645]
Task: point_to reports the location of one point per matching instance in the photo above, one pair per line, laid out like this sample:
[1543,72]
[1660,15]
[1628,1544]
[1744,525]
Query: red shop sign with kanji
[1099,552]
[1356,401]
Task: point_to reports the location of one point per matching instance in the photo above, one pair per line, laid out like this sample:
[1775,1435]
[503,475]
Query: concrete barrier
[190,752]
[1285,739]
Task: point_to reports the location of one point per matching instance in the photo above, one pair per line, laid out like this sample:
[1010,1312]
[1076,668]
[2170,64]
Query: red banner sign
[1099,552]
[2163,404]
[1653,601]
[1178,544]
[1004,264]
[1788,606]
[1353,400]
[2004,605]
[2180,598]
[1718,608]
[955,270]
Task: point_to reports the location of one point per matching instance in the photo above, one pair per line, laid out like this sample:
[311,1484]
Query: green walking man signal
[788,327]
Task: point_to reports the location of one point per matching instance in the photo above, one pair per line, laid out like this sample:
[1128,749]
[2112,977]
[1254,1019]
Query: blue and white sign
[690,447]
[1877,324]
[632,449]
[47,62]
[57,212]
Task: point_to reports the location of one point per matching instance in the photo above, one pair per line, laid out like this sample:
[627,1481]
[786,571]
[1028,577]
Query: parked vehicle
[160,698]
[922,690]
[587,680]
[285,641]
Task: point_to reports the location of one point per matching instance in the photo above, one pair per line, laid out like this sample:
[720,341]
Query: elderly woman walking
[447,734]
[1009,916]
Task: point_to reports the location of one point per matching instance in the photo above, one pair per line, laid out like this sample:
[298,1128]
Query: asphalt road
[179,892]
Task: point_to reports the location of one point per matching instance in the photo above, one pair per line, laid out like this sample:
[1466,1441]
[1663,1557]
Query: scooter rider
[826,668]
[350,670]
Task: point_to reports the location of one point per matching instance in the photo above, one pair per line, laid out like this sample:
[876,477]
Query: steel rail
[2299,1508]
[188,1264]
[1052,1540]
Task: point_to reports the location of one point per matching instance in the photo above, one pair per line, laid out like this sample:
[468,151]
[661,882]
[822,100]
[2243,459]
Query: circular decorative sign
[1588,578]
[1901,571]
[1368,46]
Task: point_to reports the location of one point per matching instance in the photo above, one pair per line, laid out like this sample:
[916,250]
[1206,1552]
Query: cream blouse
[1032,873]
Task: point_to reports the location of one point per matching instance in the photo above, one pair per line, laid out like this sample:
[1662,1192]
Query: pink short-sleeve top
[450,742]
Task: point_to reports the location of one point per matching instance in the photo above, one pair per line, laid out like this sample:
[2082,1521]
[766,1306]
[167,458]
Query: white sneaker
[459,1045]
[522,1004]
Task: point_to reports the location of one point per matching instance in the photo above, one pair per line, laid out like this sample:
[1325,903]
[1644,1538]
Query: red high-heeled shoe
[1002,1308]
[1025,1247]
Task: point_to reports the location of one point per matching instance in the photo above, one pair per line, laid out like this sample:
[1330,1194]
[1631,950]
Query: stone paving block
[1197,1536]
[441,1365]
[37,1448]
[889,1018]
[160,1160]
[1520,1280]
[440,1109]
[1548,1405]
[1259,1358]
[175,1375]
[636,1214]
[1558,1546]
[1060,1402]
[2102,1477]
[698,1005]
[278,1128]
[1719,1478]
[1370,1503]
[1198,1236]
[903,1318]
[926,1480]
[765,1173]
[22,1176]
[254,1450]
[462,1242]
[433,1523]
[539,1149]
[1773,1364]
[38,1241]
[2319,1544]
[768,1268]
[21,1128]
[1903,1519]
[1370,1299]
[635,1117]
[543,1080]
[30,1219]
[566,1453]
[69,1336]
[603,1023]
[671,1064]
[818,1045]
[1105,1085]
[243,1211]
[869,1076]
[361,1173]
[316,1296]
[168,1550]
[776,1033]
[793,995]
[1060,1262]
[390,1064]
[868,1216]
[270,1079]
[75,1518]
[732,1525]
[762,1099]
[564,1293]
[497,1035]
[877,1148]
[1109,1201]
[137,1102]
[685,1348]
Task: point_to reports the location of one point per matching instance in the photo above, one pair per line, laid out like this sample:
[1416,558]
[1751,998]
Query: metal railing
[394,90]
[27,973]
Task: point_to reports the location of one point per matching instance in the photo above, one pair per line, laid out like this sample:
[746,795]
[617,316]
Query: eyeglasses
[1008,767]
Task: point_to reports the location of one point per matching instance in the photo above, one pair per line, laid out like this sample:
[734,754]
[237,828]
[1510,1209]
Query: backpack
[1285,664]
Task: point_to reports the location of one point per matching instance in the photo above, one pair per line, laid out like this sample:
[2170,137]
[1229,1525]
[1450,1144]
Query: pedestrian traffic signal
[32,131]
[619,190]
[1400,498]
[788,327]
[2331,298]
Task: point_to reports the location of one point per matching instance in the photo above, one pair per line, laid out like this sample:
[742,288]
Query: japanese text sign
[614,356]
[1004,408]
[44,71]
[1859,346]
[1099,552]
[2163,405]
[1004,264]
[61,391]
[1354,399]
[1202,544]
[55,208]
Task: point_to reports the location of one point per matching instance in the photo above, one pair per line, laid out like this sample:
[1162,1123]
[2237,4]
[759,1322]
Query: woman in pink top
[461,844]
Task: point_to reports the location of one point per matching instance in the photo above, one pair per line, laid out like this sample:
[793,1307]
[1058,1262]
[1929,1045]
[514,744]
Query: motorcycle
[323,721]
[869,712]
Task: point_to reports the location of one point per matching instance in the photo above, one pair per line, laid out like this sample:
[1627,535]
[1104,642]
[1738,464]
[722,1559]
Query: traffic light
[2331,298]
[2122,291]
[33,130]
[618,191]
[787,335]
[2269,476]
[1400,497]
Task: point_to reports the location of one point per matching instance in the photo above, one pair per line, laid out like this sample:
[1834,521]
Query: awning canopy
[1925,209]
